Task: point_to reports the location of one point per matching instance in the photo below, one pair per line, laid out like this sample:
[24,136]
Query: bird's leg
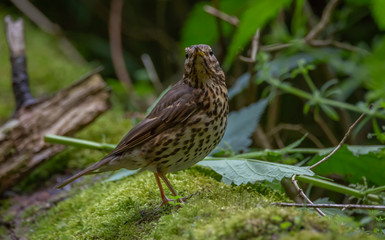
[161,175]
[165,200]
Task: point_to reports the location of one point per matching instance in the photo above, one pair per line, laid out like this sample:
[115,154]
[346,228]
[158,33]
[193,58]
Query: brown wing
[176,106]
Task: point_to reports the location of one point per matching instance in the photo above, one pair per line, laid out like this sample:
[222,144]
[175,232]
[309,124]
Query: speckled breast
[184,145]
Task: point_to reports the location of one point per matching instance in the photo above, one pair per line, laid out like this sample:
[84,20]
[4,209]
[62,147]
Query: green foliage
[201,27]
[374,65]
[378,7]
[242,171]
[255,16]
[354,164]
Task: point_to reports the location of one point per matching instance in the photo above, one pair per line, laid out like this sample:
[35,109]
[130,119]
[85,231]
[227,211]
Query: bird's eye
[211,52]
[186,55]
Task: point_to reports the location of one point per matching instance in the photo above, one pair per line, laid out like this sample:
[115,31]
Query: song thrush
[184,126]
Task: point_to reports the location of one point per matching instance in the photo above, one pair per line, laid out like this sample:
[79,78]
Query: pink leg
[161,175]
[165,200]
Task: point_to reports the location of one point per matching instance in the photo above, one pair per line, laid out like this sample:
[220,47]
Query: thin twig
[342,141]
[295,127]
[221,15]
[115,24]
[325,159]
[149,65]
[341,45]
[314,32]
[300,192]
[254,48]
[325,19]
[222,41]
[324,205]
[275,47]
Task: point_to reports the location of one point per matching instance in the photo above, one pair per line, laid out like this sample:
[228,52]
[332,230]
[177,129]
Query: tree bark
[20,80]
[22,145]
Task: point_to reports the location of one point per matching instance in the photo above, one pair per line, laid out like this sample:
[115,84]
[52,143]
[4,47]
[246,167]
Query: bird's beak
[199,52]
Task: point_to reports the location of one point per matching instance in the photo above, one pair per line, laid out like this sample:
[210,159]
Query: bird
[185,125]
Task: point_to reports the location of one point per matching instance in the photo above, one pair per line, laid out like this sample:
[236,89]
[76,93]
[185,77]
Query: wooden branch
[221,15]
[303,195]
[20,80]
[325,19]
[22,145]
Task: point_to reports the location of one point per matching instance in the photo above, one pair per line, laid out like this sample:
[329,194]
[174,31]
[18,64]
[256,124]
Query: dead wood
[22,146]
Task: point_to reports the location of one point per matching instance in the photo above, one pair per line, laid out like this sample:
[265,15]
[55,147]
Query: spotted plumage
[182,129]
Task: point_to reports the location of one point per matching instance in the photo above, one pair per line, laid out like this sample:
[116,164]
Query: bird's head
[201,65]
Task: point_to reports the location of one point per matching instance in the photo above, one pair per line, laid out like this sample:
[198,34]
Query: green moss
[75,158]
[127,209]
[3,231]
[48,68]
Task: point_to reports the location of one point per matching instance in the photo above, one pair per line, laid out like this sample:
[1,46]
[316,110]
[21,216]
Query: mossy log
[22,145]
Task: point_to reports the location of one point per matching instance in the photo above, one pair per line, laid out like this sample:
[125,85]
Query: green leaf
[241,125]
[354,163]
[330,112]
[242,171]
[256,16]
[378,12]
[241,83]
[201,27]
[374,64]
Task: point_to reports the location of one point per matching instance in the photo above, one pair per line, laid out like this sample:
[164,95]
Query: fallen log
[22,146]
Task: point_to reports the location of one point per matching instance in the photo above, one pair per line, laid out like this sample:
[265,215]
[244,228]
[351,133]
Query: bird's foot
[176,202]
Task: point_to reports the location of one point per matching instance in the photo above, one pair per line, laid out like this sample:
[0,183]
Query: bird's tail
[90,170]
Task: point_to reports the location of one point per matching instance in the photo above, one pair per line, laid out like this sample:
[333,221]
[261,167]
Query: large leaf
[242,171]
[241,125]
[354,163]
[378,12]
[200,27]
[256,16]
[241,83]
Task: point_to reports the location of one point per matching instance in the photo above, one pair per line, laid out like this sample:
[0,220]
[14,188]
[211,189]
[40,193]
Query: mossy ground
[127,209]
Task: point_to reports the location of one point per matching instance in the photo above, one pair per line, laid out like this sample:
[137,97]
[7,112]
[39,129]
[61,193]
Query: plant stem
[77,142]
[289,89]
[337,188]
[374,190]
